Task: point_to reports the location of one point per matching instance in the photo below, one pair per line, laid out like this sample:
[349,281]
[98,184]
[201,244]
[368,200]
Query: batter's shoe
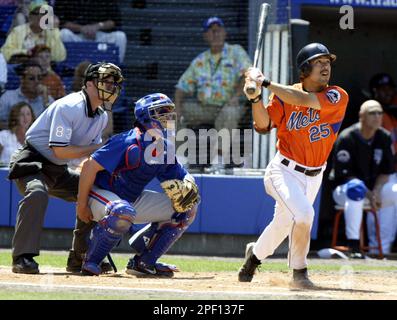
[25,264]
[140,269]
[251,263]
[75,261]
[300,280]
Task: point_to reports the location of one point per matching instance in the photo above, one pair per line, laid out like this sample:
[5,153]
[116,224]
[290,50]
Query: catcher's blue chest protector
[127,172]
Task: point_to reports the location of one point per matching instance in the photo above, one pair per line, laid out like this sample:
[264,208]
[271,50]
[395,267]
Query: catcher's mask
[156,111]
[108,80]
[308,53]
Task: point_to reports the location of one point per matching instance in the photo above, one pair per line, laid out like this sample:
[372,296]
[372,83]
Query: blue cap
[210,21]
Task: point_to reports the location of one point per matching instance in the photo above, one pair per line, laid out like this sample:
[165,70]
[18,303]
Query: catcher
[112,192]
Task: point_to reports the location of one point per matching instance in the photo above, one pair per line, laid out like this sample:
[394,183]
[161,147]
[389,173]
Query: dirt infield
[345,283]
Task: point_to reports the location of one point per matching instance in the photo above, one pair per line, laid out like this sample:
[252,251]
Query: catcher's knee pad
[119,216]
[107,233]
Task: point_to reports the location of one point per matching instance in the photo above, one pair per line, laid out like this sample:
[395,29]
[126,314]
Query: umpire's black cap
[312,51]
[103,70]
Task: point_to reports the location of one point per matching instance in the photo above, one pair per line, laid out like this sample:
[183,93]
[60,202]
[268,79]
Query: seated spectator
[54,84]
[22,39]
[383,90]
[30,90]
[362,165]
[214,82]
[100,22]
[78,78]
[20,118]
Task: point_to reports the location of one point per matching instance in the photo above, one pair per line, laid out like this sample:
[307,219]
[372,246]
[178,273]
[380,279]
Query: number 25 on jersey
[318,132]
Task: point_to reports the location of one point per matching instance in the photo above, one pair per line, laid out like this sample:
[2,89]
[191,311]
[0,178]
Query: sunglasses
[375,113]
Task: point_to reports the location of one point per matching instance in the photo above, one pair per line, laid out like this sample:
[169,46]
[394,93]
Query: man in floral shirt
[214,81]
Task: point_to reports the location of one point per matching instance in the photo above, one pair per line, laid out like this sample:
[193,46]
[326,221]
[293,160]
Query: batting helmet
[310,52]
[154,111]
[100,72]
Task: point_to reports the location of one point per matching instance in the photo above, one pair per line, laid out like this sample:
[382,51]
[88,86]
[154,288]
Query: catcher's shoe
[300,280]
[251,263]
[159,270]
[75,261]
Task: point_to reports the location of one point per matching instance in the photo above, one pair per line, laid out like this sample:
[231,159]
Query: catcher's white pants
[294,193]
[150,206]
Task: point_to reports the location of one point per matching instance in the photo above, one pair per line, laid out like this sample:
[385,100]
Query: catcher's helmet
[310,52]
[100,72]
[154,111]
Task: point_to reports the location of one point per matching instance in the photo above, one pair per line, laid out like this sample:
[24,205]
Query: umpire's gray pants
[35,190]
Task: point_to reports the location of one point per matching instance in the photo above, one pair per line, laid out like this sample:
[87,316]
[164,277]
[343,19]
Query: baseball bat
[263,15]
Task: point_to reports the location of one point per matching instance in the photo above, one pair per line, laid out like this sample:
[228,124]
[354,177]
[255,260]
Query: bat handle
[251,88]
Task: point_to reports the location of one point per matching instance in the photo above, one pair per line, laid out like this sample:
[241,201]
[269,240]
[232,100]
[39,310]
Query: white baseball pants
[294,193]
[387,216]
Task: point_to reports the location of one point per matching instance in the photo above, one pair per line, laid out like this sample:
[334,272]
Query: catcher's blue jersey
[126,171]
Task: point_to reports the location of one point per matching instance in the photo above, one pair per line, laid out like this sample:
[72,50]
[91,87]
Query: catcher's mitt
[184,194]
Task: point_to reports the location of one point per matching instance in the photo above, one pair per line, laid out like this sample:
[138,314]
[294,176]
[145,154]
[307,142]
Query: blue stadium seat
[12,77]
[6,16]
[90,50]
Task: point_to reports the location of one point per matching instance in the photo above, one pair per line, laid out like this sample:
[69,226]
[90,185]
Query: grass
[204,264]
[185,263]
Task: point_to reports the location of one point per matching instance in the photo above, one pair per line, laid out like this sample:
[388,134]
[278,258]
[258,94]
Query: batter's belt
[310,173]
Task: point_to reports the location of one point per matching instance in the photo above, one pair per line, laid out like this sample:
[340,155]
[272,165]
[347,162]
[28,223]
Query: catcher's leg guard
[107,233]
[163,236]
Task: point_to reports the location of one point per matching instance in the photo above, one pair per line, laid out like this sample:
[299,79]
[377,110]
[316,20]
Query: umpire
[70,128]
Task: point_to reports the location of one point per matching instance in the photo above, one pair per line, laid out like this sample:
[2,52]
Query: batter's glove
[184,194]
[255,75]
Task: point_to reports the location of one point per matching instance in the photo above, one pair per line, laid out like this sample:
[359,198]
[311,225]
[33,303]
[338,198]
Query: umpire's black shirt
[364,159]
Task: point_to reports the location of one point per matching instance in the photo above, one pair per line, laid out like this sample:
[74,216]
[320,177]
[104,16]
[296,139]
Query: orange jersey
[307,135]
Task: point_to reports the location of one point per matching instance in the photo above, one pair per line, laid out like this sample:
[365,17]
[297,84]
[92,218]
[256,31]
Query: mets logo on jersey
[333,96]
[343,156]
[298,120]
